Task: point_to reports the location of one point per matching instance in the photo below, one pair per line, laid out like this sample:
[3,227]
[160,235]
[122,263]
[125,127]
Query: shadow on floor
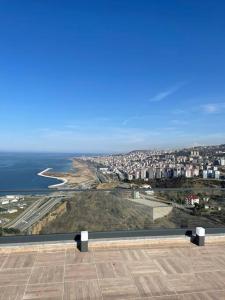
[78,241]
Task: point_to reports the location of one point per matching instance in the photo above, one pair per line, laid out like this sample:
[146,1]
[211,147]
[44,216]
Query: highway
[35,212]
[25,213]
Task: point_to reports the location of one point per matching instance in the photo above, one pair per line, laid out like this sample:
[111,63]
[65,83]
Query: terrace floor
[154,273]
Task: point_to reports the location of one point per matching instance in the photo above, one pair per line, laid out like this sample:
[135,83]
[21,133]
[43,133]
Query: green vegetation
[8,231]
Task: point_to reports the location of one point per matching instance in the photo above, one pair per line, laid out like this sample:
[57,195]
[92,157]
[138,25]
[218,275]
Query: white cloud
[97,139]
[164,94]
[109,139]
[212,108]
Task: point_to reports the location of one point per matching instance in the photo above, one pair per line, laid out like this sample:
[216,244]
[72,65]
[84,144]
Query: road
[35,212]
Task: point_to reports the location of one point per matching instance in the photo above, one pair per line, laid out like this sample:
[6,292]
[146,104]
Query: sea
[18,171]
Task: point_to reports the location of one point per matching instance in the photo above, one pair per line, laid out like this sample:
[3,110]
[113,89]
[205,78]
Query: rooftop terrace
[158,270]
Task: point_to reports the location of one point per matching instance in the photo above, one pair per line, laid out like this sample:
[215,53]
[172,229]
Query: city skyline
[111,76]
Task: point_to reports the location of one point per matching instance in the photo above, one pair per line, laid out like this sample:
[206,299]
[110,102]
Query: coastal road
[34,213]
[25,213]
[38,214]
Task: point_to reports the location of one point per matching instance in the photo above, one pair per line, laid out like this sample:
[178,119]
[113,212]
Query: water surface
[18,171]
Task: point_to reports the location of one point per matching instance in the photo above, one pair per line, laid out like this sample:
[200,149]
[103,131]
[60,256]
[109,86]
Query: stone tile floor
[170,273]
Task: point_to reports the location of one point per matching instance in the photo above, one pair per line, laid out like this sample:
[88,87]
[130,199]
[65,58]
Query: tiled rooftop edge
[153,242]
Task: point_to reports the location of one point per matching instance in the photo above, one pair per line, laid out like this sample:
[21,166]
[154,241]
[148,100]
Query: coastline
[42,173]
[84,177]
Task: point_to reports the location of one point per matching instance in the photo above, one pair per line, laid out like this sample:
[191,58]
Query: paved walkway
[169,273]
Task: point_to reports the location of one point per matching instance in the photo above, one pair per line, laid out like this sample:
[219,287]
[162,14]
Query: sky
[111,76]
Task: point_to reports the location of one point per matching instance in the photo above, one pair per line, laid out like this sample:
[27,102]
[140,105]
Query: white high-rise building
[129,176]
[151,174]
[158,173]
[222,161]
[196,172]
[178,172]
[175,173]
[143,173]
[217,174]
[188,173]
[137,174]
[205,174]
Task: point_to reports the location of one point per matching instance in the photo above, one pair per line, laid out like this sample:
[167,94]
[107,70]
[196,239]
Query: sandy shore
[64,180]
[83,175]
[83,172]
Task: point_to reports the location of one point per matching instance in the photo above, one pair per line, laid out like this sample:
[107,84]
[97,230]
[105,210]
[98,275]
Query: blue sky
[105,76]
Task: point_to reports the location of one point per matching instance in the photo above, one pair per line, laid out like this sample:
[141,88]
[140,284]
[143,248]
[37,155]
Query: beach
[43,174]
[84,175]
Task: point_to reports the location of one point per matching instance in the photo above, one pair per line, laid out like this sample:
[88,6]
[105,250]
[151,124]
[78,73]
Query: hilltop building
[191,200]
